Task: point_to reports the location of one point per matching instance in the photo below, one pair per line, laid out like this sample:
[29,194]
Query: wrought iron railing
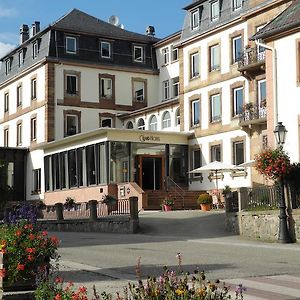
[251,56]
[179,192]
[253,112]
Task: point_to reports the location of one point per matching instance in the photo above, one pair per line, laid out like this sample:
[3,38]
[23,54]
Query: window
[195,19]
[174,54]
[165,52]
[215,58]
[141,124]
[262,92]
[166,120]
[129,125]
[6,102]
[195,112]
[21,58]
[236,48]
[106,90]
[215,153]
[36,181]
[215,11]
[195,65]
[91,164]
[19,95]
[106,122]
[72,124]
[35,49]
[139,90]
[166,90]
[196,155]
[238,153]
[260,49]
[19,134]
[237,4]
[33,89]
[175,84]
[177,117]
[71,47]
[238,101]
[71,84]
[138,54]
[72,168]
[215,106]
[8,66]
[105,50]
[6,137]
[33,129]
[153,123]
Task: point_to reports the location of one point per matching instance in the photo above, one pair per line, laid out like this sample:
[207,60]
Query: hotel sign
[149,138]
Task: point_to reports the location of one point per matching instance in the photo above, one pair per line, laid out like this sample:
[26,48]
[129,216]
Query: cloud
[5,48]
[7,12]
[9,37]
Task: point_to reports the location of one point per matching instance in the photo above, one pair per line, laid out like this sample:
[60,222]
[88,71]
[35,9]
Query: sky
[165,15]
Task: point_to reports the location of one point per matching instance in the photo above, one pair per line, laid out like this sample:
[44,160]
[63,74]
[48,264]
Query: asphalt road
[108,260]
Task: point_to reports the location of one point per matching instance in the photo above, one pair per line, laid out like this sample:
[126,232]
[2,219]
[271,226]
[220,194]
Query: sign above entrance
[149,138]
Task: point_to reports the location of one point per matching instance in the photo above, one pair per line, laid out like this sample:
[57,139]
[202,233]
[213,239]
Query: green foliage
[168,201]
[109,200]
[204,199]
[226,190]
[69,203]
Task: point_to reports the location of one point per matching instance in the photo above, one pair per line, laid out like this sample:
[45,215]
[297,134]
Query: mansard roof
[78,21]
[288,19]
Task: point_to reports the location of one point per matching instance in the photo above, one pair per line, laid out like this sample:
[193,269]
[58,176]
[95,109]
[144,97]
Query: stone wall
[261,225]
[114,224]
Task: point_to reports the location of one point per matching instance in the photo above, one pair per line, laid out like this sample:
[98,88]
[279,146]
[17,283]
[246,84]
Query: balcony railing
[253,113]
[251,56]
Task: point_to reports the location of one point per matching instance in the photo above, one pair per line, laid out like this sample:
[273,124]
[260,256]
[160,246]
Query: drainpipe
[274,65]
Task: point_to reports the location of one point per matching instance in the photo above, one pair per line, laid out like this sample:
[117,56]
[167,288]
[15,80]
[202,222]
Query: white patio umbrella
[215,166]
[249,163]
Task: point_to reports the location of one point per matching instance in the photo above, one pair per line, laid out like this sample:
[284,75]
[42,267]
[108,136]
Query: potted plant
[167,204]
[227,193]
[110,202]
[69,203]
[205,200]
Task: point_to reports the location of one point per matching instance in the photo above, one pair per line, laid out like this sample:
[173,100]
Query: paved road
[108,260]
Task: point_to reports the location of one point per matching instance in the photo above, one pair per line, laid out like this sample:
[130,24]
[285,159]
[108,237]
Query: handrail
[179,191]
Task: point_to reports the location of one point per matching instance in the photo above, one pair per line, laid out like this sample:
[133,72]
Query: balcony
[252,62]
[253,114]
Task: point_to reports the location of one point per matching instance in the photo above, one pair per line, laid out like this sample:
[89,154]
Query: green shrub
[204,199]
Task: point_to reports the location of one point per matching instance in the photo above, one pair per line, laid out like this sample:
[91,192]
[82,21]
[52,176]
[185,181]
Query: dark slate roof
[194,4]
[78,21]
[288,19]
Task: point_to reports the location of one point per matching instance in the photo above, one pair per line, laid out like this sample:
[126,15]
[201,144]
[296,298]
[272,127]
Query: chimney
[35,28]
[24,33]
[150,31]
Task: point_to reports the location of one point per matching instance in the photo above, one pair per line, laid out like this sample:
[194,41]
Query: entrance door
[151,172]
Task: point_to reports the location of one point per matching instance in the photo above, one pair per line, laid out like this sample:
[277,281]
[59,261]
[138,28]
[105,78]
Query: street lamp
[283,235]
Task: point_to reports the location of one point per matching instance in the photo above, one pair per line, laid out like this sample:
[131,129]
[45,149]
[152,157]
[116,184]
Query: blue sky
[165,15]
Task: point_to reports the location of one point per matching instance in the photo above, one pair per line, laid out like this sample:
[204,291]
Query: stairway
[155,198]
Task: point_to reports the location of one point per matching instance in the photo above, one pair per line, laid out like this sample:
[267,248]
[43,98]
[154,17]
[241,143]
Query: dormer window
[138,54]
[237,4]
[105,50]
[8,65]
[21,56]
[35,49]
[71,45]
[195,19]
[215,10]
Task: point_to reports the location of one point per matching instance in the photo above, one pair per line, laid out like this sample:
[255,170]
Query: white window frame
[140,58]
[109,88]
[212,100]
[166,90]
[153,123]
[19,134]
[74,49]
[102,43]
[195,19]
[33,129]
[236,110]
[106,119]
[36,181]
[33,89]
[195,65]
[76,124]
[166,120]
[235,56]
[177,117]
[214,14]
[260,50]
[166,55]
[76,84]
[7,66]
[259,93]
[175,87]
[6,102]
[195,122]
[234,152]
[139,125]
[35,49]
[140,97]
[21,58]
[237,4]
[174,53]
[19,95]
[6,137]
[215,57]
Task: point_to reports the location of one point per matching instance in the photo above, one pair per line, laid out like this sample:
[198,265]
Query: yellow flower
[179,292]
[201,292]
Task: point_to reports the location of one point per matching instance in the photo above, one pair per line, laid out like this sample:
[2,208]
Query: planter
[167,207]
[205,207]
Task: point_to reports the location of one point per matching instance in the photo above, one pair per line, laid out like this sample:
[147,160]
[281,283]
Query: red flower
[44,233]
[58,280]
[18,232]
[2,273]
[21,267]
[31,236]
[54,240]
[30,250]
[57,297]
[30,257]
[82,289]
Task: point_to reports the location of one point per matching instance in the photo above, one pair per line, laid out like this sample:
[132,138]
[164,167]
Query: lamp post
[283,234]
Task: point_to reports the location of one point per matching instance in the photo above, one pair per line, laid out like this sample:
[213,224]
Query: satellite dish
[114,20]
